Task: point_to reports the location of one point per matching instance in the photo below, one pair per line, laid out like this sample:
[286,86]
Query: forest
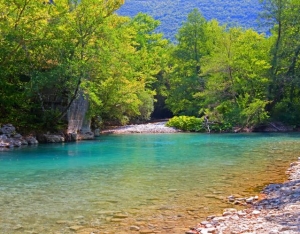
[172,13]
[52,52]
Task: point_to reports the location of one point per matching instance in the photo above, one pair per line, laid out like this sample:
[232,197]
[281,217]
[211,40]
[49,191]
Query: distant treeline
[171,14]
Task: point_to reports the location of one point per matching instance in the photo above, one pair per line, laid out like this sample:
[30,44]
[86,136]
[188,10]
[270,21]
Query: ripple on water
[165,180]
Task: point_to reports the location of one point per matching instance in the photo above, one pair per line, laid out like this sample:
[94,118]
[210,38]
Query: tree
[46,53]
[237,78]
[121,89]
[284,89]
[185,80]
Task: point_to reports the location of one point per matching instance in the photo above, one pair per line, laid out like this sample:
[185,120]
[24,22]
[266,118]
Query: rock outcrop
[9,138]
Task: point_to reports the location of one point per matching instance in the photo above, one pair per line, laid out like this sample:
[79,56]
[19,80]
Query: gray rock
[50,138]
[17,136]
[86,136]
[97,132]
[8,129]
[31,140]
[3,137]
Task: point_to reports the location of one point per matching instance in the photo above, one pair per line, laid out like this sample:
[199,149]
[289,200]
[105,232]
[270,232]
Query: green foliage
[193,124]
[287,112]
[121,87]
[185,76]
[187,123]
[52,53]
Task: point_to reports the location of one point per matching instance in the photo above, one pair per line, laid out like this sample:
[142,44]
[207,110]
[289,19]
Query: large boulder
[8,130]
[31,140]
[3,141]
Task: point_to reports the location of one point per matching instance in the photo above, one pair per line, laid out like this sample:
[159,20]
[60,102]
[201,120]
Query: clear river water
[117,183]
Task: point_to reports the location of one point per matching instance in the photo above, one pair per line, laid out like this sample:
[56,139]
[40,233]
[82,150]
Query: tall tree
[284,89]
[237,78]
[185,79]
[125,70]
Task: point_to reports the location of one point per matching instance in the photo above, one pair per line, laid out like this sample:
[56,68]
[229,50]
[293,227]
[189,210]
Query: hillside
[172,13]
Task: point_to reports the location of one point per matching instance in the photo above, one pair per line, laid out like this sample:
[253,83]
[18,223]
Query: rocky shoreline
[9,138]
[275,211]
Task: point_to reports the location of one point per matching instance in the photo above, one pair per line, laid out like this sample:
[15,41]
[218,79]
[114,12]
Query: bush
[193,124]
[187,123]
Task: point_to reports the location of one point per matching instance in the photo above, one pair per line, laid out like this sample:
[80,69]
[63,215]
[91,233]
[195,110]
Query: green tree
[284,88]
[121,89]
[46,53]
[185,79]
[237,80]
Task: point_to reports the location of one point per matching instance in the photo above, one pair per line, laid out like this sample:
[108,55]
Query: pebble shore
[276,212]
[158,127]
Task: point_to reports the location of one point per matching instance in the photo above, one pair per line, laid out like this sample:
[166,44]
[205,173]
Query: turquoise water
[149,179]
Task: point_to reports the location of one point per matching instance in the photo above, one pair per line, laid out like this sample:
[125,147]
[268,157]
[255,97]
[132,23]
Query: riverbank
[277,212]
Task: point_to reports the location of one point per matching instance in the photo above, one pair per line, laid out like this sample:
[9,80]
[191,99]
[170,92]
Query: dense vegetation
[171,13]
[50,53]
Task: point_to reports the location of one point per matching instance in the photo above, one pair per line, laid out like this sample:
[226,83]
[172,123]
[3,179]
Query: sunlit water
[164,182]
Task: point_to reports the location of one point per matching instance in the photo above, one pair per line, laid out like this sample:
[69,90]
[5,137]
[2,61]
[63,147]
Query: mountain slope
[172,13]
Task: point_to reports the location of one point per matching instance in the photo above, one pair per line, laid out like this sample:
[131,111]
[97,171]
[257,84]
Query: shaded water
[165,182]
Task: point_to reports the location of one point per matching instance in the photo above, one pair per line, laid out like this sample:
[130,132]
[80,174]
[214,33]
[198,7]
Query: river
[122,183]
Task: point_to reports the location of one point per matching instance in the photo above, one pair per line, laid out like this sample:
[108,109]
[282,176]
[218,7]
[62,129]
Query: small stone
[114,220]
[61,222]
[231,210]
[210,217]
[208,225]
[226,213]
[242,213]
[120,216]
[231,198]
[274,232]
[204,222]
[256,212]
[75,228]
[235,217]
[146,231]
[250,200]
[219,219]
[134,228]
[18,227]
[191,232]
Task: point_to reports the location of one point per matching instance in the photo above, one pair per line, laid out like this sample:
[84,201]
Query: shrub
[193,124]
[187,123]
